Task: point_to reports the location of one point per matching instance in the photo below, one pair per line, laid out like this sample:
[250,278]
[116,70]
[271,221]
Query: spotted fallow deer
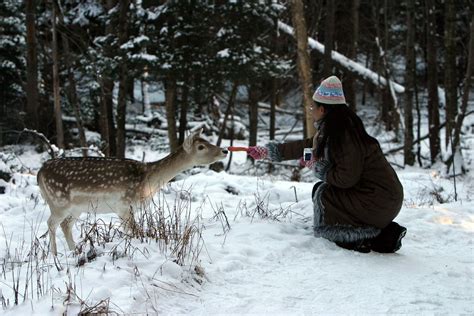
[71,186]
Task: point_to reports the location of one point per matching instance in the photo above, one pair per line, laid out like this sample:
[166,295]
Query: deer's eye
[201,147]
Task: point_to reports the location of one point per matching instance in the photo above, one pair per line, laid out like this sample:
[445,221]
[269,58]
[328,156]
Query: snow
[266,263]
[223,53]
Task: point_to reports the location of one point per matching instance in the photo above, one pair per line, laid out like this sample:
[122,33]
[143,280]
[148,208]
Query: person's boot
[359,246]
[389,240]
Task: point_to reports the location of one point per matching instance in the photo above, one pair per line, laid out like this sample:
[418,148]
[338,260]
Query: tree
[57,97]
[329,37]
[303,62]
[432,81]
[465,97]
[71,88]
[32,94]
[12,65]
[350,78]
[450,67]
[409,84]
[123,78]
[106,83]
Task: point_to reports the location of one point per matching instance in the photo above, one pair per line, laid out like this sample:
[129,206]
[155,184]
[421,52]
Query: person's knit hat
[330,92]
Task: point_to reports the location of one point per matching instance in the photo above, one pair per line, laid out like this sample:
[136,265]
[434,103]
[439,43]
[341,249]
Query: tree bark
[465,96]
[56,92]
[32,94]
[329,37]
[303,61]
[230,106]
[108,131]
[274,100]
[183,120]
[450,68]
[389,113]
[124,84]
[107,117]
[350,79]
[170,95]
[432,81]
[409,83]
[71,91]
[253,113]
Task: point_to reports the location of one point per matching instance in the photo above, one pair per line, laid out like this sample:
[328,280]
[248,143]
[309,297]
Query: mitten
[257,152]
[321,168]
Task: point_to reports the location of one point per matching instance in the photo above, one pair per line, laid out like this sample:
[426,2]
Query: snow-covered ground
[267,263]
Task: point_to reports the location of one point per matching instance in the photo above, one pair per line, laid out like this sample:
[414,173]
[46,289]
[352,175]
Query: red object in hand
[235,148]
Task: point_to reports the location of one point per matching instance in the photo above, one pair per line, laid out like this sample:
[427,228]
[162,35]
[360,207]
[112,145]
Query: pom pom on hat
[330,92]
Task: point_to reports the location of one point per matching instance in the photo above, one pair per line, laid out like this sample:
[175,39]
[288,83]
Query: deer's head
[201,150]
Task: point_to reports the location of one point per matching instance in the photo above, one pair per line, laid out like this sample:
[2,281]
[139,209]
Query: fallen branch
[265,106]
[52,149]
[343,61]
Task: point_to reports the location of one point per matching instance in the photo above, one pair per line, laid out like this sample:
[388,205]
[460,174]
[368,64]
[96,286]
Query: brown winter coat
[362,188]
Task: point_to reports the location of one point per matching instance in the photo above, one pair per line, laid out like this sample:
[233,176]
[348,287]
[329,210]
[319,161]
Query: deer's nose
[225,151]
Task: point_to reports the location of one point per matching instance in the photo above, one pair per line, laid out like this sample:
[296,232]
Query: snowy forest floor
[265,261]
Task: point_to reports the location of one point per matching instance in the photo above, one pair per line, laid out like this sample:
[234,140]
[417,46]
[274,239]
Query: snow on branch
[345,62]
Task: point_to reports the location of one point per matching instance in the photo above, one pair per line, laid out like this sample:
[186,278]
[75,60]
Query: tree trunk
[465,96]
[253,113]
[409,83]
[170,95]
[32,94]
[106,105]
[350,79]
[329,37]
[389,114]
[107,117]
[71,92]
[56,92]
[124,84]
[432,81]
[183,120]
[303,61]
[146,95]
[450,67]
[274,100]
[418,122]
[230,106]
[274,85]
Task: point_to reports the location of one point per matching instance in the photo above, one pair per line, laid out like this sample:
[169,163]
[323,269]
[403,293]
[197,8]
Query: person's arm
[347,163]
[288,151]
[280,151]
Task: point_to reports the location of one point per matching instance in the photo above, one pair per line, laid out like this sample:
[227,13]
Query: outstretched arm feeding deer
[71,186]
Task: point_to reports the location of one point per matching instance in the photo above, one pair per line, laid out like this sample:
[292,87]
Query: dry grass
[28,267]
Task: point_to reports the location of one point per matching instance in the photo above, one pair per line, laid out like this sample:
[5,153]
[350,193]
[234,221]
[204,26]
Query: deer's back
[63,178]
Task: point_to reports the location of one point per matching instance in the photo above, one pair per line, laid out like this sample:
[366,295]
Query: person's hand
[307,163]
[321,168]
[257,152]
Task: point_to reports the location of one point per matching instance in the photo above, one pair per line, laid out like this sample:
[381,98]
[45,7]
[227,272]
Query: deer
[72,186]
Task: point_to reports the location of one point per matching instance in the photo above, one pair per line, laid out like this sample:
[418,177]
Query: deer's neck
[162,171]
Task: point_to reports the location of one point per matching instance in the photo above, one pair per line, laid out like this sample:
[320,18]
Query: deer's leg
[53,223]
[66,226]
[128,220]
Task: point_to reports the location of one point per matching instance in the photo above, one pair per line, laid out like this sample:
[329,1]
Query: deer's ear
[188,143]
[198,132]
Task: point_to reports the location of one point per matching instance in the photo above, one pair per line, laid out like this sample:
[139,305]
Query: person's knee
[316,186]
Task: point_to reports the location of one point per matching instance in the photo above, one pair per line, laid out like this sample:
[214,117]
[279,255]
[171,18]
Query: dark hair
[338,119]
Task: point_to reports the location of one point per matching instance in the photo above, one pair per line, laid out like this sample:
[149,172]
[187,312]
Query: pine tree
[12,62]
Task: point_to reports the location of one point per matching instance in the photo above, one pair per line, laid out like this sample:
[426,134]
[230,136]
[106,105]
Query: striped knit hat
[330,92]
